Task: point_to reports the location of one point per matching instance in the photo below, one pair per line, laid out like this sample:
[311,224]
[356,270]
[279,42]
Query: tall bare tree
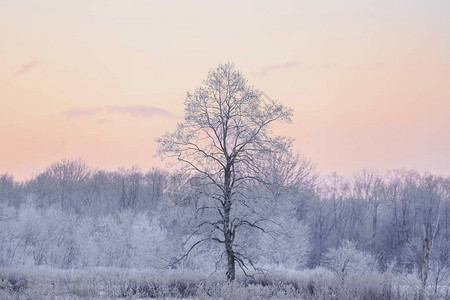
[67,174]
[226,132]
[368,186]
[431,192]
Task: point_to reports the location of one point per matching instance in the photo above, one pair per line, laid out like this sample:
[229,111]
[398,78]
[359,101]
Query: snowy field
[110,283]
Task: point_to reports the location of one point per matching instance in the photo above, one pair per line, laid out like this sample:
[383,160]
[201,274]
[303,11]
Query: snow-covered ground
[109,283]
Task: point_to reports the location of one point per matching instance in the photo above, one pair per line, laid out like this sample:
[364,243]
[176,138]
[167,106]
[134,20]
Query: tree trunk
[231,272]
[374,224]
[228,237]
[426,254]
[227,230]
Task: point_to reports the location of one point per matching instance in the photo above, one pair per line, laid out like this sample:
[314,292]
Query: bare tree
[155,181]
[368,186]
[225,132]
[130,184]
[67,174]
[431,193]
[9,190]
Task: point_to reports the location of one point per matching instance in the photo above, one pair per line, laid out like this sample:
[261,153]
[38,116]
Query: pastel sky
[100,80]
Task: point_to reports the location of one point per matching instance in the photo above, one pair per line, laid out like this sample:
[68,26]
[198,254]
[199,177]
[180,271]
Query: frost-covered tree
[9,190]
[129,181]
[67,175]
[155,183]
[227,129]
[432,195]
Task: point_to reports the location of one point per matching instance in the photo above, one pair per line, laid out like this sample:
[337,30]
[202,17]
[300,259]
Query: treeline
[71,215]
[74,187]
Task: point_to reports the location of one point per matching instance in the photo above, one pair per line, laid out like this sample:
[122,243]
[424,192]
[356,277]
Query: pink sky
[100,80]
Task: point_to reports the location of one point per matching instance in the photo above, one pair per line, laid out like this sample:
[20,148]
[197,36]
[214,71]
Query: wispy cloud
[341,66]
[285,65]
[25,68]
[82,112]
[136,110]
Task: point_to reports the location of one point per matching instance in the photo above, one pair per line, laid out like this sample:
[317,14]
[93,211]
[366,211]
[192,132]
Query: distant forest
[74,216]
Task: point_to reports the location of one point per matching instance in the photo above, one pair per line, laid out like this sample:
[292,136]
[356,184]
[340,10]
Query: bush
[347,258]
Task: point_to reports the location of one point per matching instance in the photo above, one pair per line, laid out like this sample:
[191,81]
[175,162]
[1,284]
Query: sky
[369,81]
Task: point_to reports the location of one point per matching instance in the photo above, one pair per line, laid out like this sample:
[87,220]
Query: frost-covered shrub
[33,236]
[347,258]
[48,236]
[148,241]
[8,236]
[108,243]
[123,240]
[289,249]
